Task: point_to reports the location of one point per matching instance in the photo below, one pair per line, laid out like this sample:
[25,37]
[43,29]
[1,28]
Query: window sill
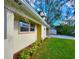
[26,32]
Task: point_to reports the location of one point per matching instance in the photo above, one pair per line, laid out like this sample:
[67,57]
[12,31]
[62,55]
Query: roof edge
[34,12]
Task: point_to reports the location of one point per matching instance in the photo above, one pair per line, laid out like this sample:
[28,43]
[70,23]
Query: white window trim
[26,31]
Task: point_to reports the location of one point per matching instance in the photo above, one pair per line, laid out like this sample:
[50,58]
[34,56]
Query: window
[32,27]
[26,27]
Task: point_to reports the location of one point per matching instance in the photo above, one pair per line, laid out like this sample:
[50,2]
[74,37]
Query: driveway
[61,36]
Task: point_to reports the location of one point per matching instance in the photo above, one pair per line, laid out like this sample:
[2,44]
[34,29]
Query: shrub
[25,54]
[66,30]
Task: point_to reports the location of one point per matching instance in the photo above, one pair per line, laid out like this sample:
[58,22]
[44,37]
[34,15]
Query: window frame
[32,27]
[29,31]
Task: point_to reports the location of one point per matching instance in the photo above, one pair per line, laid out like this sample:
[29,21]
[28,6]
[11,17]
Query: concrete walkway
[61,36]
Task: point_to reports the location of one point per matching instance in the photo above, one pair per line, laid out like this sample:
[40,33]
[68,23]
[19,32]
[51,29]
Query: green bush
[25,54]
[66,30]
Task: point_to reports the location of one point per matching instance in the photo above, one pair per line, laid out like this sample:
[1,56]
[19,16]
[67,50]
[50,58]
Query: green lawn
[54,48]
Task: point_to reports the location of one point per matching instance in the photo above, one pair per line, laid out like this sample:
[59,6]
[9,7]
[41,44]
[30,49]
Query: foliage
[66,30]
[25,54]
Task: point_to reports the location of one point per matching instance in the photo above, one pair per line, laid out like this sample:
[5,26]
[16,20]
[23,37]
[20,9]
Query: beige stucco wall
[43,34]
[8,42]
[15,40]
[22,40]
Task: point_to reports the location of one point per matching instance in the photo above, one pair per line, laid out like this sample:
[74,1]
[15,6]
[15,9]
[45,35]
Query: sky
[67,9]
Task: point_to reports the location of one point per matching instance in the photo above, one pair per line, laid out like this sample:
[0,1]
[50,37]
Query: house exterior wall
[8,42]
[43,34]
[22,40]
[15,40]
[39,32]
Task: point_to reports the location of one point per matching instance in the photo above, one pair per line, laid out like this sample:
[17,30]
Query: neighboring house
[23,26]
[52,31]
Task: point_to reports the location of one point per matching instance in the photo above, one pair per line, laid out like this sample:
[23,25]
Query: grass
[55,48]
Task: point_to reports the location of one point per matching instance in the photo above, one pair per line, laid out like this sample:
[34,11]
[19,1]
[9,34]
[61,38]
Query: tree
[54,9]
